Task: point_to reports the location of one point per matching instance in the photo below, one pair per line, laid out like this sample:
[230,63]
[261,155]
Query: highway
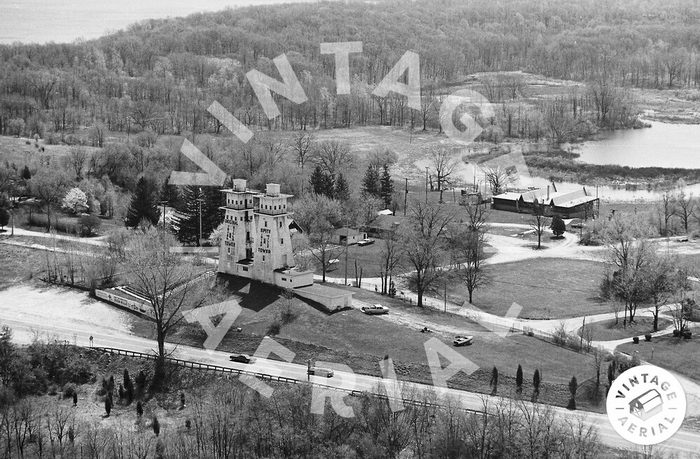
[684,443]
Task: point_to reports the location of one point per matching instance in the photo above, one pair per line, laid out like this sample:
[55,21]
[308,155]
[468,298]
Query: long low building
[571,204]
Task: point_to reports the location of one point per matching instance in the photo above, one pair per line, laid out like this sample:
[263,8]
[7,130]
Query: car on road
[365,242]
[323,372]
[241,358]
[374,309]
[461,340]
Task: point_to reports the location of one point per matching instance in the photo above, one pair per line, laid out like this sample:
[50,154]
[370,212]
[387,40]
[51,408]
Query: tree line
[154,77]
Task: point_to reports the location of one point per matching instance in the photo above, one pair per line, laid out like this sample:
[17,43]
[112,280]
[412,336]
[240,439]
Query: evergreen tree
[558,226]
[144,204]
[386,187]
[342,190]
[519,379]
[187,222]
[321,183]
[573,387]
[370,182]
[26,174]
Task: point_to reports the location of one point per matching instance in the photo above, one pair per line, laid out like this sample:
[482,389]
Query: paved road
[684,442]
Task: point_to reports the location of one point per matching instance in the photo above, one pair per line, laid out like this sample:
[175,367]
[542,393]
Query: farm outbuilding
[571,204]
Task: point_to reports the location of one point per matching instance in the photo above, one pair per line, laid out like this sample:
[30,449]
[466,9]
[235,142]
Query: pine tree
[342,190]
[386,187]
[144,204]
[26,174]
[321,183]
[187,223]
[370,182]
[519,380]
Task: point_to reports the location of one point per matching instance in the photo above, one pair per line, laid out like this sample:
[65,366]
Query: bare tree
[390,256]
[423,243]
[444,162]
[169,285]
[319,216]
[302,144]
[333,156]
[77,159]
[539,220]
[498,179]
[631,255]
[467,241]
[665,210]
[686,206]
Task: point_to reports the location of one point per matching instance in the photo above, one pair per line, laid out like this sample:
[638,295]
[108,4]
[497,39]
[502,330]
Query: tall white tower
[256,240]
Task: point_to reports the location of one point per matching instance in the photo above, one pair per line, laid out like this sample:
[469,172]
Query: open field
[19,264]
[546,288]
[607,330]
[675,354]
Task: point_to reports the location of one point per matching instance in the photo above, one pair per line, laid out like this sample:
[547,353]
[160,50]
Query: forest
[160,75]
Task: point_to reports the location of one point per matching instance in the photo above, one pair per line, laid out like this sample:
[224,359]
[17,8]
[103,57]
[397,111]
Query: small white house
[348,236]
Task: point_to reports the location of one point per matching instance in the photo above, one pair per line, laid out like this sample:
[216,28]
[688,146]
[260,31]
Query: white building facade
[257,243]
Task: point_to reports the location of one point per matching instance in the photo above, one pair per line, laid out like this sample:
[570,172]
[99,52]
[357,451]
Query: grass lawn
[607,330]
[19,264]
[675,354]
[369,258]
[546,288]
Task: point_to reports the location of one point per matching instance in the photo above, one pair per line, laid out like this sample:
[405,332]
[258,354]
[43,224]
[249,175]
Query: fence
[282,379]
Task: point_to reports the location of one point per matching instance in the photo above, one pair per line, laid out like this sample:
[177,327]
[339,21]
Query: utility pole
[164,202]
[405,198]
[426,184]
[199,242]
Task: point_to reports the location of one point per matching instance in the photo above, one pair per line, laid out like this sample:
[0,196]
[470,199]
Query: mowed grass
[546,288]
[608,330]
[676,354]
[19,264]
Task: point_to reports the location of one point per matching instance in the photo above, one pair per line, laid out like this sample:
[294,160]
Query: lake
[662,145]
[41,21]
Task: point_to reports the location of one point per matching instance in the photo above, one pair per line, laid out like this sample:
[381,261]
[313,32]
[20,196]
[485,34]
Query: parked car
[241,358]
[375,309]
[463,340]
[323,372]
[365,242]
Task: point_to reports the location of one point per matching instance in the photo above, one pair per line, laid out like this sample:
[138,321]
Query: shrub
[156,426]
[139,409]
[108,405]
[635,340]
[676,333]
[89,224]
[62,224]
[687,334]
[647,337]
[69,391]
[274,328]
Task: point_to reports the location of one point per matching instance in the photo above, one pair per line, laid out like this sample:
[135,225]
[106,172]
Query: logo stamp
[646,405]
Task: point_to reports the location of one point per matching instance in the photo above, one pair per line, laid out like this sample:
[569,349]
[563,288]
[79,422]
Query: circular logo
[646,405]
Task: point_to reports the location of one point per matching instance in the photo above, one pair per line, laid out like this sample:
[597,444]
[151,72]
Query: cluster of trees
[226,419]
[155,78]
[641,274]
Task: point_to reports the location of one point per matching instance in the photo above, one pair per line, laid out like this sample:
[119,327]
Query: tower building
[257,242]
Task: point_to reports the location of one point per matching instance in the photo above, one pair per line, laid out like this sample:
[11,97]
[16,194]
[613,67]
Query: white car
[463,340]
[365,242]
[375,309]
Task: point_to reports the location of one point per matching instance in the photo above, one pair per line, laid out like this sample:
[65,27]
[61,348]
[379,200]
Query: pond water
[662,145]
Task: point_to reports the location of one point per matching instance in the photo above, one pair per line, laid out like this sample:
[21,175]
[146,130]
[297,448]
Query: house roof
[558,199]
[347,231]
